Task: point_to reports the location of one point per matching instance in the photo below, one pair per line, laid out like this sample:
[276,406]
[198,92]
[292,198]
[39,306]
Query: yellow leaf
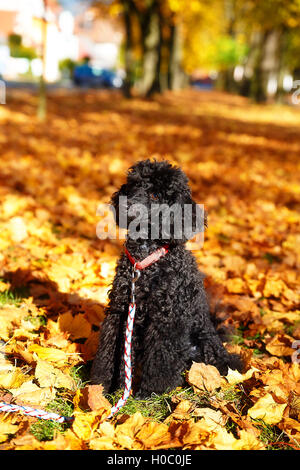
[195,433]
[267,409]
[49,376]
[220,439]
[211,418]
[280,345]
[274,288]
[103,443]
[235,377]
[57,356]
[247,441]
[106,428]
[182,410]
[236,285]
[78,327]
[85,423]
[18,230]
[13,379]
[67,441]
[156,436]
[32,394]
[7,429]
[4,286]
[125,433]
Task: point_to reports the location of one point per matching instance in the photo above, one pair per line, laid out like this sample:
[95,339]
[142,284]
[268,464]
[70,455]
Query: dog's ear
[119,205]
[193,216]
[194,219]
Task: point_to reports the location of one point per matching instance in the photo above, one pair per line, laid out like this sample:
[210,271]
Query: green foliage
[46,430]
[80,374]
[159,407]
[66,66]
[18,50]
[14,296]
[271,435]
[229,52]
[36,322]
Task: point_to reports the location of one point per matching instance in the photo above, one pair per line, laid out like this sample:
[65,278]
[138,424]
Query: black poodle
[172,325]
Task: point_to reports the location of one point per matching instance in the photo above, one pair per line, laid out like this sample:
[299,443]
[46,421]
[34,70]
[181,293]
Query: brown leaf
[96,400]
[280,345]
[204,377]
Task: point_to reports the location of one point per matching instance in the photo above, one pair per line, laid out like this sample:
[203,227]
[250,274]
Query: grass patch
[230,394]
[81,375]
[44,430]
[15,296]
[272,437]
[272,258]
[158,407]
[36,322]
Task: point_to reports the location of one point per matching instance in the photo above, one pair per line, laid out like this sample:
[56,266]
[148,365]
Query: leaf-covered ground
[243,164]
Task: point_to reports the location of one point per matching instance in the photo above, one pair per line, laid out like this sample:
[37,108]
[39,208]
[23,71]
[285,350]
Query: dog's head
[156,203]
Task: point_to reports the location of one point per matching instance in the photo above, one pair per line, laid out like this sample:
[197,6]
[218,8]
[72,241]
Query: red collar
[155,256]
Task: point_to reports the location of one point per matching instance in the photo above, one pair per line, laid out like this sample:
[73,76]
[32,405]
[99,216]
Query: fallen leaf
[84,424]
[234,377]
[77,327]
[154,435]
[274,288]
[126,432]
[6,430]
[13,379]
[280,345]
[50,376]
[267,410]
[236,285]
[96,400]
[18,230]
[211,417]
[204,377]
[29,393]
[247,441]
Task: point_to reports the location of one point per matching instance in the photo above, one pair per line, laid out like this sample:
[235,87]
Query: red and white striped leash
[27,410]
[137,267]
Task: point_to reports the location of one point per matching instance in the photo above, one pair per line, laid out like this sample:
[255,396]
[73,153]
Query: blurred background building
[68,39]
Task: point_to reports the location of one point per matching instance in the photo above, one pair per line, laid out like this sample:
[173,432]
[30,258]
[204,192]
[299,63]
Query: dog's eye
[154,197]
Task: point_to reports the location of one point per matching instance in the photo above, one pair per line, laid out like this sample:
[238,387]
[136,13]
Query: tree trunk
[129,60]
[161,48]
[150,30]
[156,86]
[176,76]
[266,65]
[281,68]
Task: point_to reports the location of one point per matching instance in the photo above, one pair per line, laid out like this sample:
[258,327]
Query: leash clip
[134,277]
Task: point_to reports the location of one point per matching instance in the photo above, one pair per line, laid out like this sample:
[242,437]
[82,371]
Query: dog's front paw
[214,353]
[142,395]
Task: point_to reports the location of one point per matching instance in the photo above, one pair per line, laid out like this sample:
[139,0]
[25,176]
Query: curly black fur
[172,326]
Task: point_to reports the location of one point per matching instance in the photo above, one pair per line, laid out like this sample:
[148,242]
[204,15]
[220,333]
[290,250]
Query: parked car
[87,76]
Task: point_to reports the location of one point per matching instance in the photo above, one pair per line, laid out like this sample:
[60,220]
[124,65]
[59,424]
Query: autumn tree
[268,30]
[165,40]
[152,47]
[162,40]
